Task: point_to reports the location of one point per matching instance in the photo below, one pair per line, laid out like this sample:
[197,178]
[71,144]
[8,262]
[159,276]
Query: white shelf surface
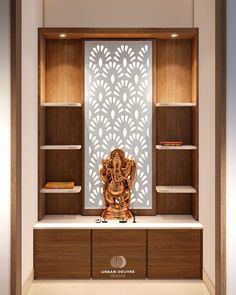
[142,222]
[175,189]
[60,147]
[176,104]
[182,147]
[74,190]
[61,104]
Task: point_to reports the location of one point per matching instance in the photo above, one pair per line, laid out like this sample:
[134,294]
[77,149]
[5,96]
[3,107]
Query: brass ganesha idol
[117,174]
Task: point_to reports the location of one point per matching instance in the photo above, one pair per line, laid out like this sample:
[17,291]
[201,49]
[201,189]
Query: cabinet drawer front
[62,254]
[175,254]
[119,254]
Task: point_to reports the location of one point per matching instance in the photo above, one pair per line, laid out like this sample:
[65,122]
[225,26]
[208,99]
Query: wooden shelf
[74,190]
[60,147]
[61,104]
[175,189]
[176,104]
[182,147]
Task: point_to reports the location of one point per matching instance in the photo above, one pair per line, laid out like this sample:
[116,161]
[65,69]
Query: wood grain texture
[174,168]
[15,280]
[42,69]
[220,143]
[174,71]
[195,69]
[195,127]
[41,162]
[107,33]
[64,125]
[174,124]
[41,127]
[62,254]
[63,75]
[174,254]
[128,243]
[63,203]
[174,204]
[63,166]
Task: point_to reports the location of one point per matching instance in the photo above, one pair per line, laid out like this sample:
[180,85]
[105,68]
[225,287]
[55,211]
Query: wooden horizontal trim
[130,33]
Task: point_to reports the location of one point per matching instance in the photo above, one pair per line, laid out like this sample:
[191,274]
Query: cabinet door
[119,254]
[175,254]
[62,254]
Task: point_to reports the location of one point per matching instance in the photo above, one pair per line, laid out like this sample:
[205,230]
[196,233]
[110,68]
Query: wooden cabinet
[175,254]
[62,254]
[119,254]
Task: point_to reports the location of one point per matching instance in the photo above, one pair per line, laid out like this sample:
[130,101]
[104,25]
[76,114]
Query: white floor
[93,287]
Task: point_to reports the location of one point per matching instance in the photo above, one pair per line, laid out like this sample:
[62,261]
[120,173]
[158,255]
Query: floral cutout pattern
[118,114]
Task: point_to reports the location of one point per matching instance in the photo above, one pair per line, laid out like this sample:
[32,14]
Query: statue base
[112,212]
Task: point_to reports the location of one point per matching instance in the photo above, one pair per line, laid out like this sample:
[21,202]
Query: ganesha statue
[117,174]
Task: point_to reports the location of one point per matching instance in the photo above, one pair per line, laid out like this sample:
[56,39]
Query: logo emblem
[118,261]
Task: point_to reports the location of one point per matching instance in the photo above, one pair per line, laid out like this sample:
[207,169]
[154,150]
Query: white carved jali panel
[118,114]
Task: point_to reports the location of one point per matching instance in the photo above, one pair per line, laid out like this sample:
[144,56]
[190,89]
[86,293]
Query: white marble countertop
[142,222]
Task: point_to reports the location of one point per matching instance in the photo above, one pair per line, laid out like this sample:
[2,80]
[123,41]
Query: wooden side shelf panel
[62,72]
[174,71]
[174,254]
[174,168]
[62,254]
[174,203]
[64,126]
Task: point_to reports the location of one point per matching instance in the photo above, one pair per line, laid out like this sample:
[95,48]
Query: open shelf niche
[177,120]
[60,126]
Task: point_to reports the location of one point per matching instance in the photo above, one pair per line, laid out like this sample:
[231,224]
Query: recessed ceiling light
[62,35]
[174,35]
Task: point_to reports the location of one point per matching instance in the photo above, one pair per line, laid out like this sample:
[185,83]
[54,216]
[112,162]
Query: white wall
[163,13]
[230,148]
[204,18]
[122,13]
[31,19]
[5,147]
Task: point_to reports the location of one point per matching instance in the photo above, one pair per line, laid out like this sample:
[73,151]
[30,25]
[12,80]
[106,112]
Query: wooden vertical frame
[15,147]
[195,127]
[154,139]
[41,127]
[220,144]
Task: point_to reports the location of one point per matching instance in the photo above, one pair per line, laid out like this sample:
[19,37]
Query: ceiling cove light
[174,35]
